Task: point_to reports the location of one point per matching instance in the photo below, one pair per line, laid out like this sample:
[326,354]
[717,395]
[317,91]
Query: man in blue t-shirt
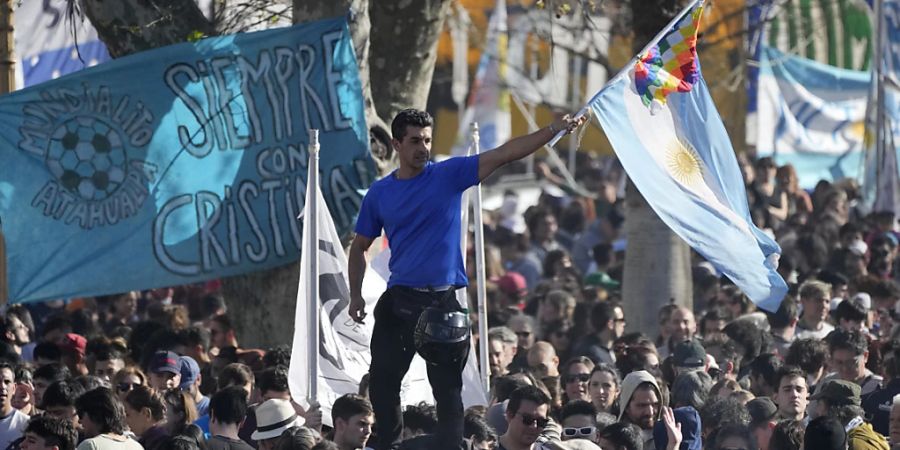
[418,207]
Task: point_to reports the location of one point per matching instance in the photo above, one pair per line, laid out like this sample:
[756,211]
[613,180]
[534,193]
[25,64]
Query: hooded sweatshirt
[629,385]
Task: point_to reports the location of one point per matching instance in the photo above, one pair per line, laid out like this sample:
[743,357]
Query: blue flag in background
[678,154]
[180,164]
[811,115]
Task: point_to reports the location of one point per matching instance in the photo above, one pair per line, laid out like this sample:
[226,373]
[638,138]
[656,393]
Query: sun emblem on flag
[684,163]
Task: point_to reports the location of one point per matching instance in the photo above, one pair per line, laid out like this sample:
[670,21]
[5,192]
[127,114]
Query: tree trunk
[130,26]
[657,265]
[262,304]
[657,261]
[410,29]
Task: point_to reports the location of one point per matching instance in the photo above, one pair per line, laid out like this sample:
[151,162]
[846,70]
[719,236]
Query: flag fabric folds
[343,344]
[679,156]
[880,178]
[810,115]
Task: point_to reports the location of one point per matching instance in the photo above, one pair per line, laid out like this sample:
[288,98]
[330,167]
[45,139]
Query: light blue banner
[180,164]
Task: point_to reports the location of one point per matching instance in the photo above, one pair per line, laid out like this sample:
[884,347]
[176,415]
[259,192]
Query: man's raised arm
[522,146]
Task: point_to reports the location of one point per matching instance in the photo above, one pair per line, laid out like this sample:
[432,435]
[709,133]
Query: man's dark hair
[787,435]
[691,389]
[853,341]
[850,310]
[89,382]
[787,372]
[766,366]
[530,393]
[807,354]
[59,322]
[420,417]
[51,372]
[236,374]
[748,337]
[229,405]
[349,405]
[277,356]
[61,393]
[734,430]
[831,277]
[787,312]
[296,438]
[193,336]
[602,254]
[844,413]
[729,352]
[212,304]
[505,385]
[326,445]
[602,313]
[104,409]
[475,426]
[20,312]
[577,407]
[273,379]
[409,117]
[54,431]
[108,353]
[720,412]
[623,435]
[47,350]
[224,321]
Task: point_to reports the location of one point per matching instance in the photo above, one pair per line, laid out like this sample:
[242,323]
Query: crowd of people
[163,369]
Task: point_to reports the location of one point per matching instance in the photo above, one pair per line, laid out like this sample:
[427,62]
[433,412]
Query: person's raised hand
[567,123]
[673,429]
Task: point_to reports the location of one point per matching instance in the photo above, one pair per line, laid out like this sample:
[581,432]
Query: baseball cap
[689,354]
[512,283]
[862,299]
[839,392]
[190,371]
[761,409]
[164,361]
[74,343]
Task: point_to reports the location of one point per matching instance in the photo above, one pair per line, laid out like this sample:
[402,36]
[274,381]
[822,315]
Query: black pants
[392,351]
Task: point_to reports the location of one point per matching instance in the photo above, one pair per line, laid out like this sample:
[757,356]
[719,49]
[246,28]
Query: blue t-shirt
[421,217]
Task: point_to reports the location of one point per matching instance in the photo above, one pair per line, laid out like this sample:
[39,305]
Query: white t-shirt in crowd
[12,427]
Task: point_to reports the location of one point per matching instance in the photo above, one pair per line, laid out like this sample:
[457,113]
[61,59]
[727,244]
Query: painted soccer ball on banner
[86,155]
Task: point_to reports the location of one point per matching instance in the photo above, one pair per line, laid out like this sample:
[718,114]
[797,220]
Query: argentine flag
[670,139]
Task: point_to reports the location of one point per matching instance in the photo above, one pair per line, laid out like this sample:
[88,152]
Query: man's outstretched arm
[356,269]
[522,146]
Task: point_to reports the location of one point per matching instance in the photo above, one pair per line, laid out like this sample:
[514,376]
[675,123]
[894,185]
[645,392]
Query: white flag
[343,344]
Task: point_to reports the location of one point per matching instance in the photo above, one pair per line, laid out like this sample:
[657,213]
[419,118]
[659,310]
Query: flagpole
[312,297]
[484,368]
[627,67]
[878,74]
[7,85]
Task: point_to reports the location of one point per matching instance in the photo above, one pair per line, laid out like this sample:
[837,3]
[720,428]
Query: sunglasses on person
[531,421]
[579,377]
[581,431]
[125,387]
